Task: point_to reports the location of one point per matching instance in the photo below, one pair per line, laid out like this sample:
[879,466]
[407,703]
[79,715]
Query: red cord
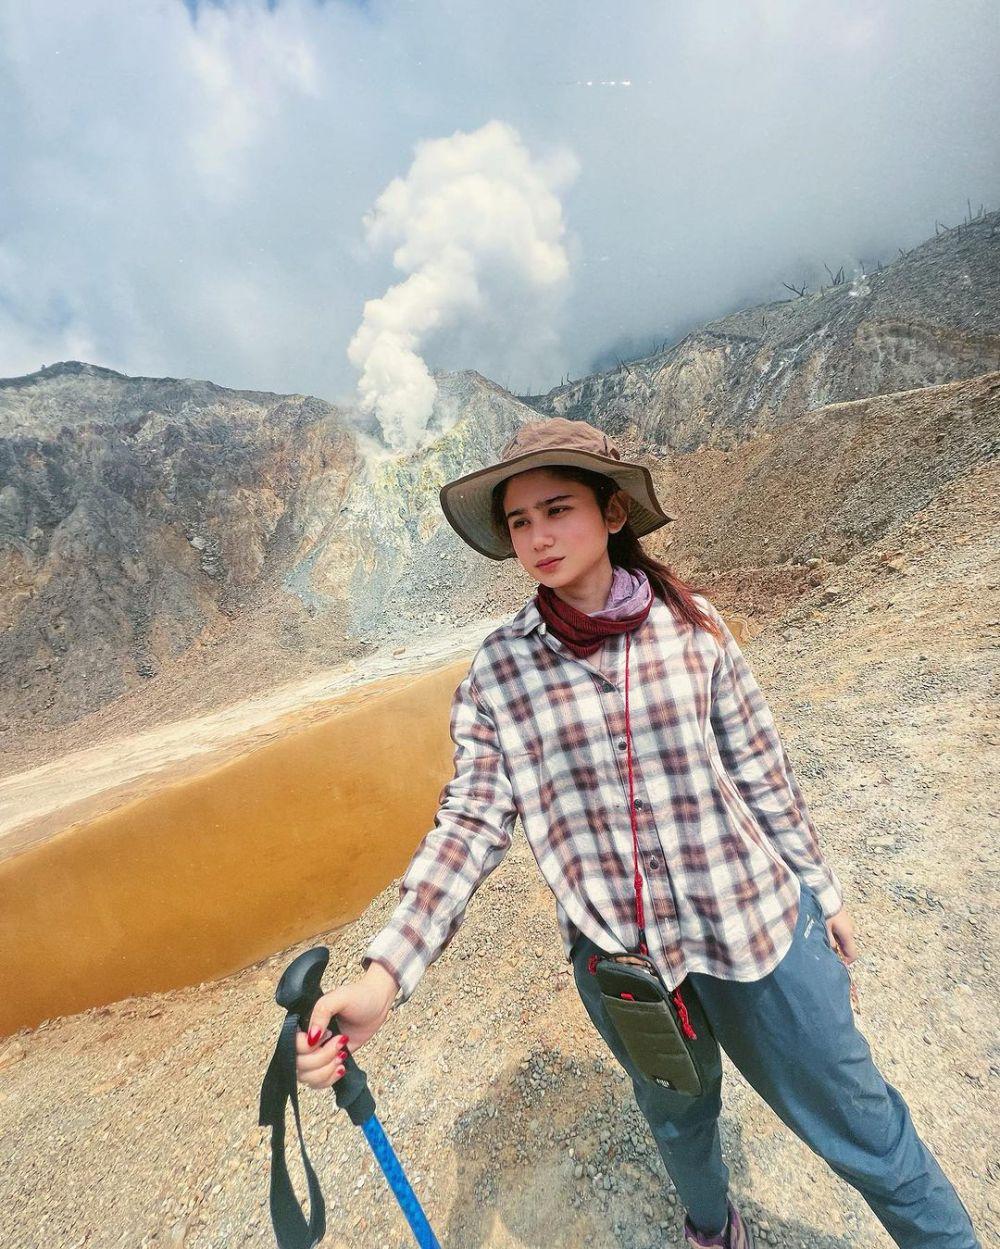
[640,917]
[685,1018]
[637,882]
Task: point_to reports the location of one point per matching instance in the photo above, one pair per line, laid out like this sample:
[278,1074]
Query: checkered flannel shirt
[723,829]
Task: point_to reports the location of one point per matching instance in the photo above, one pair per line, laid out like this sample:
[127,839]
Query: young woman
[617,716]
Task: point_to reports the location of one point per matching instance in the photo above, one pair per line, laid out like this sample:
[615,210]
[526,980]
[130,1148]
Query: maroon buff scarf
[584,634]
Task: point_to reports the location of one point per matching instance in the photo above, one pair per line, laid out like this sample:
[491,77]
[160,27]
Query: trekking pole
[298,991]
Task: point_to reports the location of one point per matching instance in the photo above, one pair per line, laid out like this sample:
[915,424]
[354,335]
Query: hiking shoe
[736,1235]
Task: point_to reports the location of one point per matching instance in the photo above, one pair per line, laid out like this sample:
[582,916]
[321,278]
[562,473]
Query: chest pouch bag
[665,1032]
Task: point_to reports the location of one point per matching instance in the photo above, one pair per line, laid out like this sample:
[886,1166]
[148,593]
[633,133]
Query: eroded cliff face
[138,517]
[146,525]
[931,317]
[169,546]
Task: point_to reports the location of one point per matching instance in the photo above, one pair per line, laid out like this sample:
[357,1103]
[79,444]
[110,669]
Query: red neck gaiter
[583,634]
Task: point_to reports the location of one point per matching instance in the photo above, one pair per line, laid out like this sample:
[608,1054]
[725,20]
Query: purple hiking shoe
[735,1236]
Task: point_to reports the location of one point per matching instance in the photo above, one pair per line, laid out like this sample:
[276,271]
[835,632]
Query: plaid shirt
[723,829]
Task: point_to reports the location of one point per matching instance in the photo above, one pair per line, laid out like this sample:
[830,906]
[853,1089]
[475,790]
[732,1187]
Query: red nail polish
[314,1035]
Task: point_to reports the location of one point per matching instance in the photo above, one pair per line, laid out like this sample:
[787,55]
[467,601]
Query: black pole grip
[298,991]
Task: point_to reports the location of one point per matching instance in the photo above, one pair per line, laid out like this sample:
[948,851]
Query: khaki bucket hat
[538,444]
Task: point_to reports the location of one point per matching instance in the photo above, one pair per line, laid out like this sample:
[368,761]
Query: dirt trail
[134,1124]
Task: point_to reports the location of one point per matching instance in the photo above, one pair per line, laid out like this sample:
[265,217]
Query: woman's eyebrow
[518,511]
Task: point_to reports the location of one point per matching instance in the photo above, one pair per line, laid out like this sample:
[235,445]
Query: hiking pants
[792,1036]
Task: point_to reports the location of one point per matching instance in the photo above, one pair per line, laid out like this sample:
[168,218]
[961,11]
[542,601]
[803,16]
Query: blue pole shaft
[399,1184]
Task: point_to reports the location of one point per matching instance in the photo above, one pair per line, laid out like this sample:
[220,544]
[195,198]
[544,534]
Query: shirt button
[654,864]
[621,743]
[638,804]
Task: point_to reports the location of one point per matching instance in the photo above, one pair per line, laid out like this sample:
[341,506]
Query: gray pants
[792,1036]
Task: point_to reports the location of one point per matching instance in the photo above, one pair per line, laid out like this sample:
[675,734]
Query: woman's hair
[624,547]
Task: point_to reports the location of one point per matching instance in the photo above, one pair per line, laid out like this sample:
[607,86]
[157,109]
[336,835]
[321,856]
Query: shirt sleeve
[471,835]
[755,758]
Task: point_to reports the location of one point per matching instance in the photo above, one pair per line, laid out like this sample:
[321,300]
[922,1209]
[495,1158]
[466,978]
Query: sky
[341,198]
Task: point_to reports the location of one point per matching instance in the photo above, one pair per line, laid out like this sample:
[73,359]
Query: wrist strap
[279,1088]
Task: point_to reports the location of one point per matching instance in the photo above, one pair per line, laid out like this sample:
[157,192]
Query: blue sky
[185,188]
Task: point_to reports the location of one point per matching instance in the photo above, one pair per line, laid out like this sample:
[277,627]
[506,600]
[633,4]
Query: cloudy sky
[317,197]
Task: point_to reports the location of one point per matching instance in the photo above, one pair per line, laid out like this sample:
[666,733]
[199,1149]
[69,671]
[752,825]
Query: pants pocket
[813,926]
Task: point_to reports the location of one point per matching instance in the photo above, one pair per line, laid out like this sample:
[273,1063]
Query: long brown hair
[624,547]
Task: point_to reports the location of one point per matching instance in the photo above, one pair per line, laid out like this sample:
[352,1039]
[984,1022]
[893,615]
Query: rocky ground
[135,1124]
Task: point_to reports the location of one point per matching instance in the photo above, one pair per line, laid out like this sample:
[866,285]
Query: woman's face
[556,526]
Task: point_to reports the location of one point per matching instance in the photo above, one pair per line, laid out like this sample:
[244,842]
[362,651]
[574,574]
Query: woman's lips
[549,563]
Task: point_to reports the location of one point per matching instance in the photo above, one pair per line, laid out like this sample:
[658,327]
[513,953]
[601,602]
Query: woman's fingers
[302,1045]
[324,1076]
[322,1064]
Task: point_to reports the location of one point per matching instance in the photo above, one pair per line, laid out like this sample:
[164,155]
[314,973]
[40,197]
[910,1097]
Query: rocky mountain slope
[146,522]
[932,316]
[138,518]
[167,546]
[760,527]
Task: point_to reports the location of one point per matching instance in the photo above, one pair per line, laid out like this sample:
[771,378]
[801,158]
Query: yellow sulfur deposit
[205,875]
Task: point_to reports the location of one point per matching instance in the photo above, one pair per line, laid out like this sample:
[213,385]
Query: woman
[618,718]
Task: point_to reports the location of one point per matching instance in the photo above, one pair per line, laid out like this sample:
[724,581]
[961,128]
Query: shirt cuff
[828,893]
[392,951]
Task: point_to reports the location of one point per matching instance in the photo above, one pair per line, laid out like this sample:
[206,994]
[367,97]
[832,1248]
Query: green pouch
[666,1033]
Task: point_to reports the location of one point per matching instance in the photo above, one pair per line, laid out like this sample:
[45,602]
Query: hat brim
[466,500]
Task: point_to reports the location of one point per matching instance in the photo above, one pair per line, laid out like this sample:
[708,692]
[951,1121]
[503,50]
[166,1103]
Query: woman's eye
[563,507]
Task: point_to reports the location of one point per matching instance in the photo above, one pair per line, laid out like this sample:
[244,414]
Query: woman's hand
[840,929]
[361,1009]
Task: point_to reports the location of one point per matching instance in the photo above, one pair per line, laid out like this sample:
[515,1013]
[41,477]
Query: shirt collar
[527,619]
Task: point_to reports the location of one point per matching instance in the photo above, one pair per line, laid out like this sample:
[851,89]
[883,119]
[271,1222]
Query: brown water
[210,872]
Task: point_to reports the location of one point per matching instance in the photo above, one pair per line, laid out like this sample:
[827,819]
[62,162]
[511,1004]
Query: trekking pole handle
[298,991]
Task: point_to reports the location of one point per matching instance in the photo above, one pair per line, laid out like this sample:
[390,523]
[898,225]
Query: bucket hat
[539,444]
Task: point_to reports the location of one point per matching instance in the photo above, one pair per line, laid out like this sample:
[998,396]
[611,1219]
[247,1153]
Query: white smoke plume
[475,215]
